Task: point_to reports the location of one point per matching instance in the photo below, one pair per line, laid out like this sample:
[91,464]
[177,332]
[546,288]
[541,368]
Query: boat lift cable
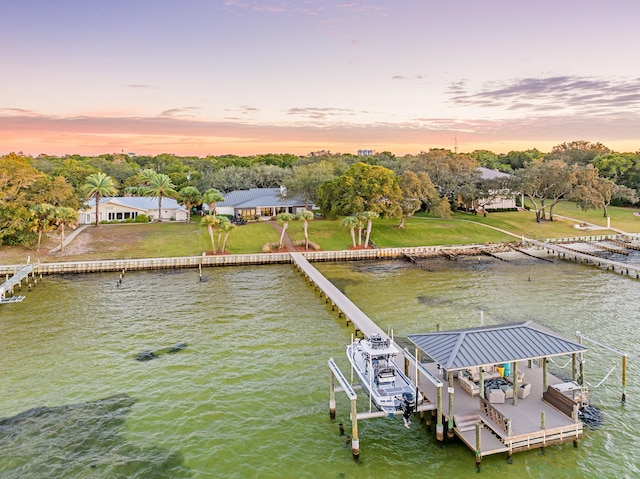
[603,379]
[561,367]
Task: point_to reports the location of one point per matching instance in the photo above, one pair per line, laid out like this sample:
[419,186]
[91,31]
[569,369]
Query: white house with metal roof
[259,203]
[499,200]
[129,207]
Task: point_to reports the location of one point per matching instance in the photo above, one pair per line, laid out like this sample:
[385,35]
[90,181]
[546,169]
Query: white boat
[388,388]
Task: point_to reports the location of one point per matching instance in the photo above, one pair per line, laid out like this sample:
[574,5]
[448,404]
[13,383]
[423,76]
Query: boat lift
[349,390]
[620,353]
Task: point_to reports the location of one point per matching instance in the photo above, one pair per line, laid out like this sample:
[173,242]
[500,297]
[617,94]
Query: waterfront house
[259,203]
[129,207]
[499,197]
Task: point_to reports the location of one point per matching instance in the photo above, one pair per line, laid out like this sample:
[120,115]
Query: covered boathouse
[501,398]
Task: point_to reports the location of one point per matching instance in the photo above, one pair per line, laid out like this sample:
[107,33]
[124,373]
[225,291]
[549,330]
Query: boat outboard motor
[408,405]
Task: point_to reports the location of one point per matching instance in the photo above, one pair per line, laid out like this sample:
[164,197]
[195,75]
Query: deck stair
[466,422]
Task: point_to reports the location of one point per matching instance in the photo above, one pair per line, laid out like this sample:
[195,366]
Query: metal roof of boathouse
[465,348]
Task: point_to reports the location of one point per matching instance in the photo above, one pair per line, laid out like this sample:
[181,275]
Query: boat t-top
[388,388]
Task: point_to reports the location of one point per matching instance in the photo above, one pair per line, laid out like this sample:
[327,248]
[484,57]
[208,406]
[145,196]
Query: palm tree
[284,219]
[227,227]
[191,196]
[305,216]
[368,216]
[212,197]
[42,220]
[351,222]
[210,222]
[222,220]
[63,216]
[99,185]
[158,185]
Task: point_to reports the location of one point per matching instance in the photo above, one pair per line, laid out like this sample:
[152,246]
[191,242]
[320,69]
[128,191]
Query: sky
[245,77]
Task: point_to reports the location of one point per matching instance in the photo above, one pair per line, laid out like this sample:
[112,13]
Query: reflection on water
[248,397]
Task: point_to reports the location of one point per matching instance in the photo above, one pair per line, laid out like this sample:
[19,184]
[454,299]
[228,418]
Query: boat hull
[389,389]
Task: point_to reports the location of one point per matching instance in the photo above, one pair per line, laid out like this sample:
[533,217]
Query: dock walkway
[10,284]
[584,257]
[338,299]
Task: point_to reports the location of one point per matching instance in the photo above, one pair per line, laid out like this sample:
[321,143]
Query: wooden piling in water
[450,432]
[478,446]
[543,427]
[332,396]
[355,442]
[624,379]
[439,426]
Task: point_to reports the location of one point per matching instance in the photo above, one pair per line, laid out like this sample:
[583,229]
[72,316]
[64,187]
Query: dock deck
[586,256]
[525,417]
[504,427]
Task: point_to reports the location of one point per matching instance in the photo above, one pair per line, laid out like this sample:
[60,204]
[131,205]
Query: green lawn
[621,218]
[179,239]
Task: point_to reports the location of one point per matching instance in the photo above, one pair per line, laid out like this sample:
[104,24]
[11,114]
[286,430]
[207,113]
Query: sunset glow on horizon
[248,77]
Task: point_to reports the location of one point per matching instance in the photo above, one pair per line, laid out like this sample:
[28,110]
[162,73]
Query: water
[248,397]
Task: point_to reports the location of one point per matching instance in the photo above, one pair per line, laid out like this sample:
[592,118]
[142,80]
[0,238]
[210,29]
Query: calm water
[248,397]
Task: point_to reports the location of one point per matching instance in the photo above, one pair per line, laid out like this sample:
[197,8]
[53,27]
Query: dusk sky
[211,77]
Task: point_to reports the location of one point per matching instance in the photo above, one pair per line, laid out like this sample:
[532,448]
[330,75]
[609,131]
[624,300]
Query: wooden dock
[502,428]
[15,280]
[565,252]
[337,298]
[532,423]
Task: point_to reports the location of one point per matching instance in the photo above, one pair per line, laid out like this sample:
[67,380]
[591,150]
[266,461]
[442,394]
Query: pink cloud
[23,130]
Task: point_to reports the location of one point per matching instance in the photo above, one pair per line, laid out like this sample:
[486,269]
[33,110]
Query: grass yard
[179,239]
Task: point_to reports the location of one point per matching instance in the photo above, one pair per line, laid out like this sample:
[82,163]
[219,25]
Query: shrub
[142,219]
[500,210]
[270,247]
[312,245]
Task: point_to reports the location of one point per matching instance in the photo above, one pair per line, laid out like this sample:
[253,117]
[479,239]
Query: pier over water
[13,281]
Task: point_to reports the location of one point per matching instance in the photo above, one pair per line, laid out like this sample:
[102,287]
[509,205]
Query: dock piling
[450,432]
[478,446]
[355,442]
[439,425]
[332,398]
[624,379]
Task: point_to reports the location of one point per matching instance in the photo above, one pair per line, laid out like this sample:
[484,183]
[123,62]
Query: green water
[248,397]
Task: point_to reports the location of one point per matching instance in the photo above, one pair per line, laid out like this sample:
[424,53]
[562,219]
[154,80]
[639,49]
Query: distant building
[366,152]
[499,200]
[129,207]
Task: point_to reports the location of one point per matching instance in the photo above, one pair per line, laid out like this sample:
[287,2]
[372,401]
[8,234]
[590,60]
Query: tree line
[34,191]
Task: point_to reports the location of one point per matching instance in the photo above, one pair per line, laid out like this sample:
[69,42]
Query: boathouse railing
[503,423]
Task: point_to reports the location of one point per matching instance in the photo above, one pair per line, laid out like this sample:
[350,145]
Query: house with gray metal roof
[259,203]
[121,208]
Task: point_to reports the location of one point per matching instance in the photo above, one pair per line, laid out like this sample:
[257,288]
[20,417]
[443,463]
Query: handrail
[496,416]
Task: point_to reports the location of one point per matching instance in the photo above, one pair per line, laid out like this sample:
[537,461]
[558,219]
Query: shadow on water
[80,440]
[148,355]
[433,301]
[343,283]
